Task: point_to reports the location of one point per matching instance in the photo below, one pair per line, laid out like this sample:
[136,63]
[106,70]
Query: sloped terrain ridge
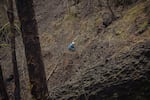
[112,57]
[125,76]
[111,61]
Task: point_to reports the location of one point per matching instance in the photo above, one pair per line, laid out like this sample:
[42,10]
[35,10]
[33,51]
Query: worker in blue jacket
[71,46]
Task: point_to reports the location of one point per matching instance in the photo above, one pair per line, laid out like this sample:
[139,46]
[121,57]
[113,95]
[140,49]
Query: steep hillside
[111,57]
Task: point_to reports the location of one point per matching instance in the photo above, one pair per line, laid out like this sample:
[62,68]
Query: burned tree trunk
[31,42]
[3,92]
[10,13]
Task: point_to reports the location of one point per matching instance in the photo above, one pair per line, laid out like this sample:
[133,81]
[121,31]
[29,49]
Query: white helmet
[73,42]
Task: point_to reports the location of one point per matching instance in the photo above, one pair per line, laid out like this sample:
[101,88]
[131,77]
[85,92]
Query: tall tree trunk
[31,42]
[3,92]
[10,13]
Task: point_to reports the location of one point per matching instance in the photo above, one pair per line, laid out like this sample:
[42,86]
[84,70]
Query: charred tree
[3,92]
[31,42]
[10,13]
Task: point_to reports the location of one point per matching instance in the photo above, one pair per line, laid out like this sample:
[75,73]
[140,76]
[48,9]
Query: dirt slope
[107,58]
[112,57]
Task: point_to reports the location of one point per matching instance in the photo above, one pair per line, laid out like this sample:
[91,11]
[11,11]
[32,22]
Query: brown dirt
[108,61]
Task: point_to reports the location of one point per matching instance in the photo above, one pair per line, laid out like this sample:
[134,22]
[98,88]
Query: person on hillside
[71,46]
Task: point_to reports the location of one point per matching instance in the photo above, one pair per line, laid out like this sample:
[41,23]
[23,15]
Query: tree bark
[3,92]
[31,42]
[10,13]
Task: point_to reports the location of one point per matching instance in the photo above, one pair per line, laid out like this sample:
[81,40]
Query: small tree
[110,9]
